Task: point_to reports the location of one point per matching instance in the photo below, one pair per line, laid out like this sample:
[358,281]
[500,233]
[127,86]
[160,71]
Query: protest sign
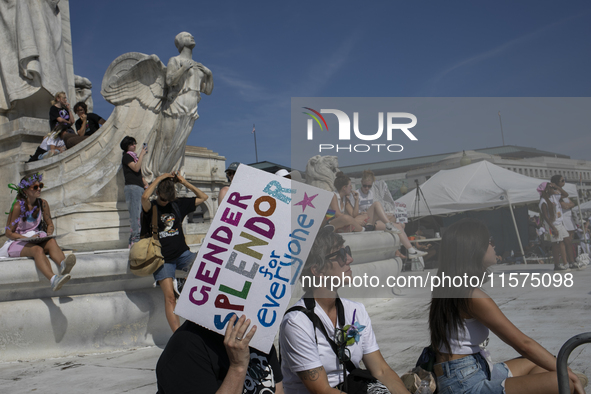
[400,212]
[253,253]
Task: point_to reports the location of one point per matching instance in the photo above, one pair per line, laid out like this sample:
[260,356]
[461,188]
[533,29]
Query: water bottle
[424,388]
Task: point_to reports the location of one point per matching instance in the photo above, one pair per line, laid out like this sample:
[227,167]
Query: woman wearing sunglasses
[460,319]
[372,212]
[30,218]
[309,363]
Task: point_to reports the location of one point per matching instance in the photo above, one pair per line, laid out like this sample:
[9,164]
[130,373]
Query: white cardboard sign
[253,253]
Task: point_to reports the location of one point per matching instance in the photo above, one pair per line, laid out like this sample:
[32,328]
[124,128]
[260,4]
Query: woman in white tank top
[460,319]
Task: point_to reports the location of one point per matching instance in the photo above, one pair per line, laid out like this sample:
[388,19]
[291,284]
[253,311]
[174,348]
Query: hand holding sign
[253,254]
[237,341]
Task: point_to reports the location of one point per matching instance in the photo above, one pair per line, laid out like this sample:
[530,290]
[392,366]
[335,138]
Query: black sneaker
[369,227]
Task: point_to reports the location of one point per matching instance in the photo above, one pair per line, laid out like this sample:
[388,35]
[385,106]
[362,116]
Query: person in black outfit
[134,184]
[60,112]
[88,122]
[198,360]
[176,253]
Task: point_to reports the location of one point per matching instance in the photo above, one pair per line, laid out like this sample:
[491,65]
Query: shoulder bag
[357,380]
[145,256]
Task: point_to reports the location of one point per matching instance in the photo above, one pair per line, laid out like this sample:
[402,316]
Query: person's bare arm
[567,205]
[353,210]
[380,370]
[486,311]
[563,194]
[316,381]
[12,223]
[546,217]
[200,196]
[47,217]
[136,167]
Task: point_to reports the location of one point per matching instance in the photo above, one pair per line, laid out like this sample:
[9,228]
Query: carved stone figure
[321,171]
[32,58]
[83,91]
[172,92]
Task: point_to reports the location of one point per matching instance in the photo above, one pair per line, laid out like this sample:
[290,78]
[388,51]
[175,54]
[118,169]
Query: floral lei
[23,185]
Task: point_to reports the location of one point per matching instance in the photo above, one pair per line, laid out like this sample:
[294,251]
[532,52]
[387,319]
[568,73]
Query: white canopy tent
[477,186]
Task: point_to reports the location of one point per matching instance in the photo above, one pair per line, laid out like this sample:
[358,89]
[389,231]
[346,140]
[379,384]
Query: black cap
[233,167]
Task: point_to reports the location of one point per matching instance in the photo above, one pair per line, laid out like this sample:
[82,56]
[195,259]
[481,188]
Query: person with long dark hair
[134,184]
[29,218]
[460,319]
[309,363]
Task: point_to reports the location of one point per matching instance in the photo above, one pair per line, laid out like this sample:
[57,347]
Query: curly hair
[81,104]
[326,241]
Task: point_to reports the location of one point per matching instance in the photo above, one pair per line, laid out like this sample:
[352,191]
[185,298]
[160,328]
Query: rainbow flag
[329,214]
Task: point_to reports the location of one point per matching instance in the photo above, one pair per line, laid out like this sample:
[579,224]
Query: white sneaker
[58,281]
[417,253]
[561,267]
[576,265]
[67,264]
[391,227]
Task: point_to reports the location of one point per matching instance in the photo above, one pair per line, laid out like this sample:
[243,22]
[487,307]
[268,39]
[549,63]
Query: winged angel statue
[170,93]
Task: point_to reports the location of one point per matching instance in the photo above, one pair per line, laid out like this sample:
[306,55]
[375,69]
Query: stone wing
[137,76]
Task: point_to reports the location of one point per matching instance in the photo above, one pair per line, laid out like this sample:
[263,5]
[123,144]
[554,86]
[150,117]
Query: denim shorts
[471,375]
[182,263]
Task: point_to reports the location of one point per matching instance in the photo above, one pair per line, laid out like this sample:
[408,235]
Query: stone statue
[172,92]
[32,57]
[84,91]
[321,171]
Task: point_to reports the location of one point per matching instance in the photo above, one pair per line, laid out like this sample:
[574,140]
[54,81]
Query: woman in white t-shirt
[52,144]
[308,362]
[551,214]
[372,214]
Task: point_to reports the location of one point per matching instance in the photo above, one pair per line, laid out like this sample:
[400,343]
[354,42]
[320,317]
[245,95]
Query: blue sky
[263,53]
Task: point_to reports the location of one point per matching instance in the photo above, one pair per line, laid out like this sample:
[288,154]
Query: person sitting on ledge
[199,360]
[460,319]
[60,112]
[373,217]
[344,212]
[170,214]
[30,218]
[322,335]
[88,122]
[51,145]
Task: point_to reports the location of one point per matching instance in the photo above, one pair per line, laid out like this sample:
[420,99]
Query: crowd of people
[61,123]
[323,338]
[557,222]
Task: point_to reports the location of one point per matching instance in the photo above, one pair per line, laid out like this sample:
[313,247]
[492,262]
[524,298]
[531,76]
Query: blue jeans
[133,198]
[471,375]
[183,263]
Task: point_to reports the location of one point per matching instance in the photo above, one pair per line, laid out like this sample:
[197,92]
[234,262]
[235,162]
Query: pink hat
[542,187]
